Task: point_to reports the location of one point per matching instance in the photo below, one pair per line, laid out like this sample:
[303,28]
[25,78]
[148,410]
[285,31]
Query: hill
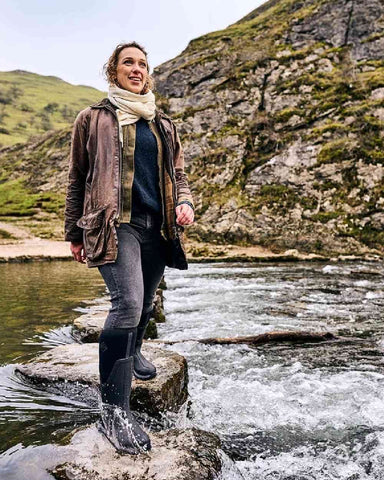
[281,117]
[31,104]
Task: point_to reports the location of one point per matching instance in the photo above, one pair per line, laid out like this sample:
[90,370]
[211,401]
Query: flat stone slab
[73,370]
[176,454]
[87,327]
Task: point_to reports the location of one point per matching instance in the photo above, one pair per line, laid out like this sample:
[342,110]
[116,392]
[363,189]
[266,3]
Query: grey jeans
[133,278]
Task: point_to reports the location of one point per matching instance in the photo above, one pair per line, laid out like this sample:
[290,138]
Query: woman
[127,202]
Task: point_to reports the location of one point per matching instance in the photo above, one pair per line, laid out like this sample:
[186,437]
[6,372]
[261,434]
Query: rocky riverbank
[37,249]
[71,370]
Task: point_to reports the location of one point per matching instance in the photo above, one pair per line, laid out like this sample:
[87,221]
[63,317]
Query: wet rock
[158,314]
[151,330]
[73,370]
[176,455]
[87,327]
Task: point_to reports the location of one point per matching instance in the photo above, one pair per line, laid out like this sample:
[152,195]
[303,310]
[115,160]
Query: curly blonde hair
[110,67]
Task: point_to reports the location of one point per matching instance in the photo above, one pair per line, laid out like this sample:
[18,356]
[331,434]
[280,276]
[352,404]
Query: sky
[72,39]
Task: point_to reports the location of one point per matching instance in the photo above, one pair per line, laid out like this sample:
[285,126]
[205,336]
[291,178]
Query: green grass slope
[31,104]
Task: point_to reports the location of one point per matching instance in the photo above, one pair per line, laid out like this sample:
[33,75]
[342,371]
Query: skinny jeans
[132,280]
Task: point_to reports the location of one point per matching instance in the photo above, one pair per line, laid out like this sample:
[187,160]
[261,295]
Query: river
[283,411]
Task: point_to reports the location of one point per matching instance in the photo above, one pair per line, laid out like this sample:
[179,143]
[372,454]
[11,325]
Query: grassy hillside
[31,104]
[33,178]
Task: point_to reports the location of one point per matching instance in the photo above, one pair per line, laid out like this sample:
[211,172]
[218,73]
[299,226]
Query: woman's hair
[110,68]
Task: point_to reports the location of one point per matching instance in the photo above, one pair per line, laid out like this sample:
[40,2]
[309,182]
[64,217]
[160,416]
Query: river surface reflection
[38,302]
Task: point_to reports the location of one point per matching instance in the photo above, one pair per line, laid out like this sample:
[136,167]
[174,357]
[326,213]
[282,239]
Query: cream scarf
[131,106]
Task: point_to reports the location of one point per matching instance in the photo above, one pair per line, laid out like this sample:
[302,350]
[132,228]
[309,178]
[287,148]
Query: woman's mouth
[135,79]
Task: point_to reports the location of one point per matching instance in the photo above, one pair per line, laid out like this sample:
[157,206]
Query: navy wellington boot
[143,369]
[118,423]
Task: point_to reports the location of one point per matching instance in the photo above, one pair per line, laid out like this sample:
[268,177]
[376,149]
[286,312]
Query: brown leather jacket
[93,200]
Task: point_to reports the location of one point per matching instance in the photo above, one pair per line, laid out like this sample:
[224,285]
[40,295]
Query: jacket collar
[104,103]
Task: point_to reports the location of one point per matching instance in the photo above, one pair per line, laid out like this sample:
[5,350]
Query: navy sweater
[145,189]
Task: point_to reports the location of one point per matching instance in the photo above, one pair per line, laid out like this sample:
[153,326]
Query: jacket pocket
[94,234]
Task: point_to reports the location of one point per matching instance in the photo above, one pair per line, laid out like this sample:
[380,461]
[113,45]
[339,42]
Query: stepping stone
[73,370]
[176,454]
[87,327]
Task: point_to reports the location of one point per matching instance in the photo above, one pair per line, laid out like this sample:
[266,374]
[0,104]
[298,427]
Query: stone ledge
[73,370]
[87,327]
[176,454]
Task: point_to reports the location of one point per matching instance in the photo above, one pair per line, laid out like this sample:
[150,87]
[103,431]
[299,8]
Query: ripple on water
[32,462]
[362,460]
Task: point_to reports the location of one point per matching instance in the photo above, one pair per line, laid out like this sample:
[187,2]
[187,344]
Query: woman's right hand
[78,252]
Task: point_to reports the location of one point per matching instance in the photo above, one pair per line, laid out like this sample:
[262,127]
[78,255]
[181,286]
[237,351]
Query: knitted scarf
[131,106]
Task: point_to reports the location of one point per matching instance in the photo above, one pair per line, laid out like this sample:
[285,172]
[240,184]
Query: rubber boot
[143,369]
[118,423]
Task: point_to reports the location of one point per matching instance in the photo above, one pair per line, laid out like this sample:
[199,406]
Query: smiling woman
[132,70]
[128,69]
[128,200]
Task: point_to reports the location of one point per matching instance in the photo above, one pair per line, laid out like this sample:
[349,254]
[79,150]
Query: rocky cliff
[281,116]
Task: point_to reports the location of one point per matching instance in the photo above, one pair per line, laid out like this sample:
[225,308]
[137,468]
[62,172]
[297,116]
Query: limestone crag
[341,23]
[281,116]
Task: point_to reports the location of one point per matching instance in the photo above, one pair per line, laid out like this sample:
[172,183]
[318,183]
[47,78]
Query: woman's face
[132,69]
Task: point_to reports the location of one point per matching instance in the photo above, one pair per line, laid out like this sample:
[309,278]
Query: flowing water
[283,411]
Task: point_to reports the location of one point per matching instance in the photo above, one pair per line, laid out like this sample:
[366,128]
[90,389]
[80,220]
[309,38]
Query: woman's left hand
[184,214]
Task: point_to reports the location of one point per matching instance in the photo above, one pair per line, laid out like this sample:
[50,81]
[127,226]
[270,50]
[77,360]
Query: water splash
[114,422]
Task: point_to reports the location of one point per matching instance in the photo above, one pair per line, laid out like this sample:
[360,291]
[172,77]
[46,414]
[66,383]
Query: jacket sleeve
[182,187]
[78,168]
